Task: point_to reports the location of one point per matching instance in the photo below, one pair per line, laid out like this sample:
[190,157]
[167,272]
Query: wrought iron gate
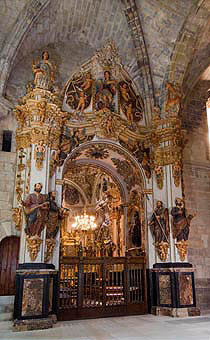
[96,287]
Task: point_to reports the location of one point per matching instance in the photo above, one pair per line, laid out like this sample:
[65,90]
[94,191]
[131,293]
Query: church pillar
[38,137]
[171,276]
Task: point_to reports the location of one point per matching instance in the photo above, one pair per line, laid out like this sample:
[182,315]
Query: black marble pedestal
[36,296]
[172,289]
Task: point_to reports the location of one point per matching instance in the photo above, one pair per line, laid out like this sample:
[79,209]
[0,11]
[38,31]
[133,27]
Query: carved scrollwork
[177,172]
[50,245]
[38,135]
[23,141]
[17,217]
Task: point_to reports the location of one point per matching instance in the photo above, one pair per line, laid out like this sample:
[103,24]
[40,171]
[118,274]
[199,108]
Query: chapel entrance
[102,258]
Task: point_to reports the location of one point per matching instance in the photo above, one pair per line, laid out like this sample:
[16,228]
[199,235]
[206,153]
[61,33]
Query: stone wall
[10,11]
[197,190]
[7,181]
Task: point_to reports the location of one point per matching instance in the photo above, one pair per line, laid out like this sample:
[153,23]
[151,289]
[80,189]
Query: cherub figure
[42,105]
[109,125]
[39,154]
[87,83]
[81,104]
[124,92]
[129,112]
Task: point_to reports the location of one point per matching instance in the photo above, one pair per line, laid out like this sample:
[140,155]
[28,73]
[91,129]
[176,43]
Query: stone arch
[77,156]
[185,57]
[135,25]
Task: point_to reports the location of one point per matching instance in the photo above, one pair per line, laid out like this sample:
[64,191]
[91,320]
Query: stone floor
[146,327]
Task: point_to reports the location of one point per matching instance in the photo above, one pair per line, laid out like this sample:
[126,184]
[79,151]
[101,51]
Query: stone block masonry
[197,198]
[7,187]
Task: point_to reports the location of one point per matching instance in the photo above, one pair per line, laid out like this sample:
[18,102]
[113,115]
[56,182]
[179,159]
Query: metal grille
[135,284]
[115,284]
[102,284]
[93,285]
[68,286]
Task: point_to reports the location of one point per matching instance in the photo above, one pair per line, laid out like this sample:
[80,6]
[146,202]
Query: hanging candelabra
[84,222]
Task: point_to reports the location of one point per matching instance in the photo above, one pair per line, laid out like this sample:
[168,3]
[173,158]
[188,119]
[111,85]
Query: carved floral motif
[97,152]
[159,175]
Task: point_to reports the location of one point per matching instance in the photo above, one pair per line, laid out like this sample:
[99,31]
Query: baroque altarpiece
[99,195]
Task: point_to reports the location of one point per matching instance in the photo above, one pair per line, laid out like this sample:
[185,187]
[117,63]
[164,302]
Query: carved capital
[23,140]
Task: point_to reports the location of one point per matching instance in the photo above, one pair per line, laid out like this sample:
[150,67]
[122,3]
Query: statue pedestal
[172,290]
[36,296]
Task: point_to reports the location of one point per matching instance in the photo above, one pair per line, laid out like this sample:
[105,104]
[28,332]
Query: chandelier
[84,222]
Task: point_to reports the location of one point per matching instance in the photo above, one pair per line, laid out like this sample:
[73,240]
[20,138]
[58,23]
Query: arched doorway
[9,253]
[103,255]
